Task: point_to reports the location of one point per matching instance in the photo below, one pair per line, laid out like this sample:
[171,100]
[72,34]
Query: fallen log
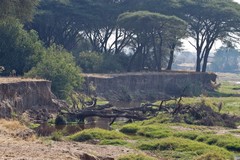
[81,115]
[145,111]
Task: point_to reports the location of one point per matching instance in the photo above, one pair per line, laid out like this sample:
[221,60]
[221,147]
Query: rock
[86,156]
[26,134]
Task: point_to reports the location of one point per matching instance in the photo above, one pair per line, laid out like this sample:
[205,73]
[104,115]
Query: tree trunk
[171,56]
[138,50]
[205,61]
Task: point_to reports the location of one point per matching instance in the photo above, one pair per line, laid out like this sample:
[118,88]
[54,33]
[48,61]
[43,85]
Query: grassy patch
[130,128]
[96,134]
[229,142]
[155,131]
[136,157]
[187,148]
[115,142]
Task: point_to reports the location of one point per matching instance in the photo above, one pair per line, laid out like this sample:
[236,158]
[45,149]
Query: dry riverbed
[17,142]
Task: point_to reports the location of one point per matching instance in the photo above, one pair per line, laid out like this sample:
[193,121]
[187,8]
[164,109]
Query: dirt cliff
[18,95]
[148,85]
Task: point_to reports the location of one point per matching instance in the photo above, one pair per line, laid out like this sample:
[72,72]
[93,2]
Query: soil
[15,146]
[17,79]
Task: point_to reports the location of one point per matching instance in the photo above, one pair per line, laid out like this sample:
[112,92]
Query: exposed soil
[18,79]
[14,144]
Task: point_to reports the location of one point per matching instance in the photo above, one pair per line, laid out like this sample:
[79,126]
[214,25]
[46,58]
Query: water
[90,122]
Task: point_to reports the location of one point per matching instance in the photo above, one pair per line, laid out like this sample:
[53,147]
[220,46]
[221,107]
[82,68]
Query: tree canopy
[20,9]
[209,21]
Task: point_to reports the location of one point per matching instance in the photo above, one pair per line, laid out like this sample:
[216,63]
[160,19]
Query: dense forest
[53,39]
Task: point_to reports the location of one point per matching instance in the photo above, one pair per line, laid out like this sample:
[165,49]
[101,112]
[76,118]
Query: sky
[237,1]
[188,47]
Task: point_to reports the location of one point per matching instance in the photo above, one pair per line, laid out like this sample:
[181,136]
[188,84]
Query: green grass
[130,128]
[227,141]
[97,134]
[186,147]
[114,142]
[136,157]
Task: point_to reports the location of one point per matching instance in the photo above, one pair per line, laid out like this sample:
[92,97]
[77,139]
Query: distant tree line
[136,34]
[53,39]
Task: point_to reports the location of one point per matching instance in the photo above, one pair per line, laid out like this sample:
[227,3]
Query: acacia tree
[151,32]
[209,21]
[72,22]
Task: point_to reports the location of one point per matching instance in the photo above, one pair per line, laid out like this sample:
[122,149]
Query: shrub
[90,61]
[58,66]
[17,46]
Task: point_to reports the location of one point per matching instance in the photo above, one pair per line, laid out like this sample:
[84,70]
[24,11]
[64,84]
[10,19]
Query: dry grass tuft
[12,125]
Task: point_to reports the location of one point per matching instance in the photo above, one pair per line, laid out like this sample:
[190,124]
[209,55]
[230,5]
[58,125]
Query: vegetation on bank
[164,136]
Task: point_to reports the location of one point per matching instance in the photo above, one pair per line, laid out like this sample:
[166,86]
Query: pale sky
[237,1]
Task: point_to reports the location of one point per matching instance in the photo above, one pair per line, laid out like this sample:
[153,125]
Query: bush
[93,62]
[17,47]
[58,66]
[90,61]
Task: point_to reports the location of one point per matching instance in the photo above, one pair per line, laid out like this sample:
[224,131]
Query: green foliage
[58,66]
[93,62]
[90,61]
[114,63]
[225,60]
[22,10]
[135,157]
[17,47]
[96,133]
